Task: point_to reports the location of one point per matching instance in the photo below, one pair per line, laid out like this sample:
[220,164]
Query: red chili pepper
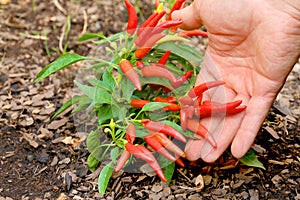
[146,22]
[182,79]
[132,18]
[163,128]
[156,87]
[198,90]
[193,33]
[208,108]
[142,51]
[166,142]
[198,101]
[176,6]
[146,32]
[200,130]
[180,162]
[130,73]
[138,103]
[172,107]
[131,133]
[169,99]
[139,64]
[159,72]
[164,59]
[122,160]
[152,141]
[235,106]
[146,155]
[236,110]
[139,152]
[164,25]
[168,24]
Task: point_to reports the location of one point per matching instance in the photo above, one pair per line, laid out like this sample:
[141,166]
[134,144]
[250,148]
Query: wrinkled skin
[253,46]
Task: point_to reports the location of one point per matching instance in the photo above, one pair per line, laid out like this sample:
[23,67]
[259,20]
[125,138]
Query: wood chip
[45,134]
[62,196]
[199,183]
[57,123]
[272,132]
[207,179]
[26,121]
[275,162]
[258,148]
[156,188]
[29,138]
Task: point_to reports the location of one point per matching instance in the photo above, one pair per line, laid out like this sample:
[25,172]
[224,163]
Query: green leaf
[109,80]
[154,106]
[168,167]
[104,177]
[110,38]
[156,80]
[93,144]
[185,51]
[61,62]
[250,159]
[115,152]
[66,105]
[141,132]
[92,162]
[101,84]
[119,112]
[99,95]
[127,88]
[83,104]
[104,113]
[170,38]
[89,36]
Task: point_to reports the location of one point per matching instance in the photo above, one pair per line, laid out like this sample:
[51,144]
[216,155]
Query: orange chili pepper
[166,142]
[131,133]
[152,141]
[163,128]
[199,89]
[130,73]
[159,72]
[138,103]
[122,160]
[200,130]
[193,33]
[163,60]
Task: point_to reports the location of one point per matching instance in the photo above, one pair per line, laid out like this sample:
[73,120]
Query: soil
[42,160]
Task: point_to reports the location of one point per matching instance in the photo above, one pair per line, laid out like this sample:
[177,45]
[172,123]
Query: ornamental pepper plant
[144,96]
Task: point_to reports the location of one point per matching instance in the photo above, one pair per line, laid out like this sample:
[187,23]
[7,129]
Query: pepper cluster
[156,140]
[190,107]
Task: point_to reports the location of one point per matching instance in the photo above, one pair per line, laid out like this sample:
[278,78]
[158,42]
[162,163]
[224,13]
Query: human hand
[253,45]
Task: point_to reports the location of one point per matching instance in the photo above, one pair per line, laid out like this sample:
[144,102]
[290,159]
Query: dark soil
[41,160]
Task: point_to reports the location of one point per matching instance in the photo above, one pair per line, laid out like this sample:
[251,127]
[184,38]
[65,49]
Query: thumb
[190,16]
